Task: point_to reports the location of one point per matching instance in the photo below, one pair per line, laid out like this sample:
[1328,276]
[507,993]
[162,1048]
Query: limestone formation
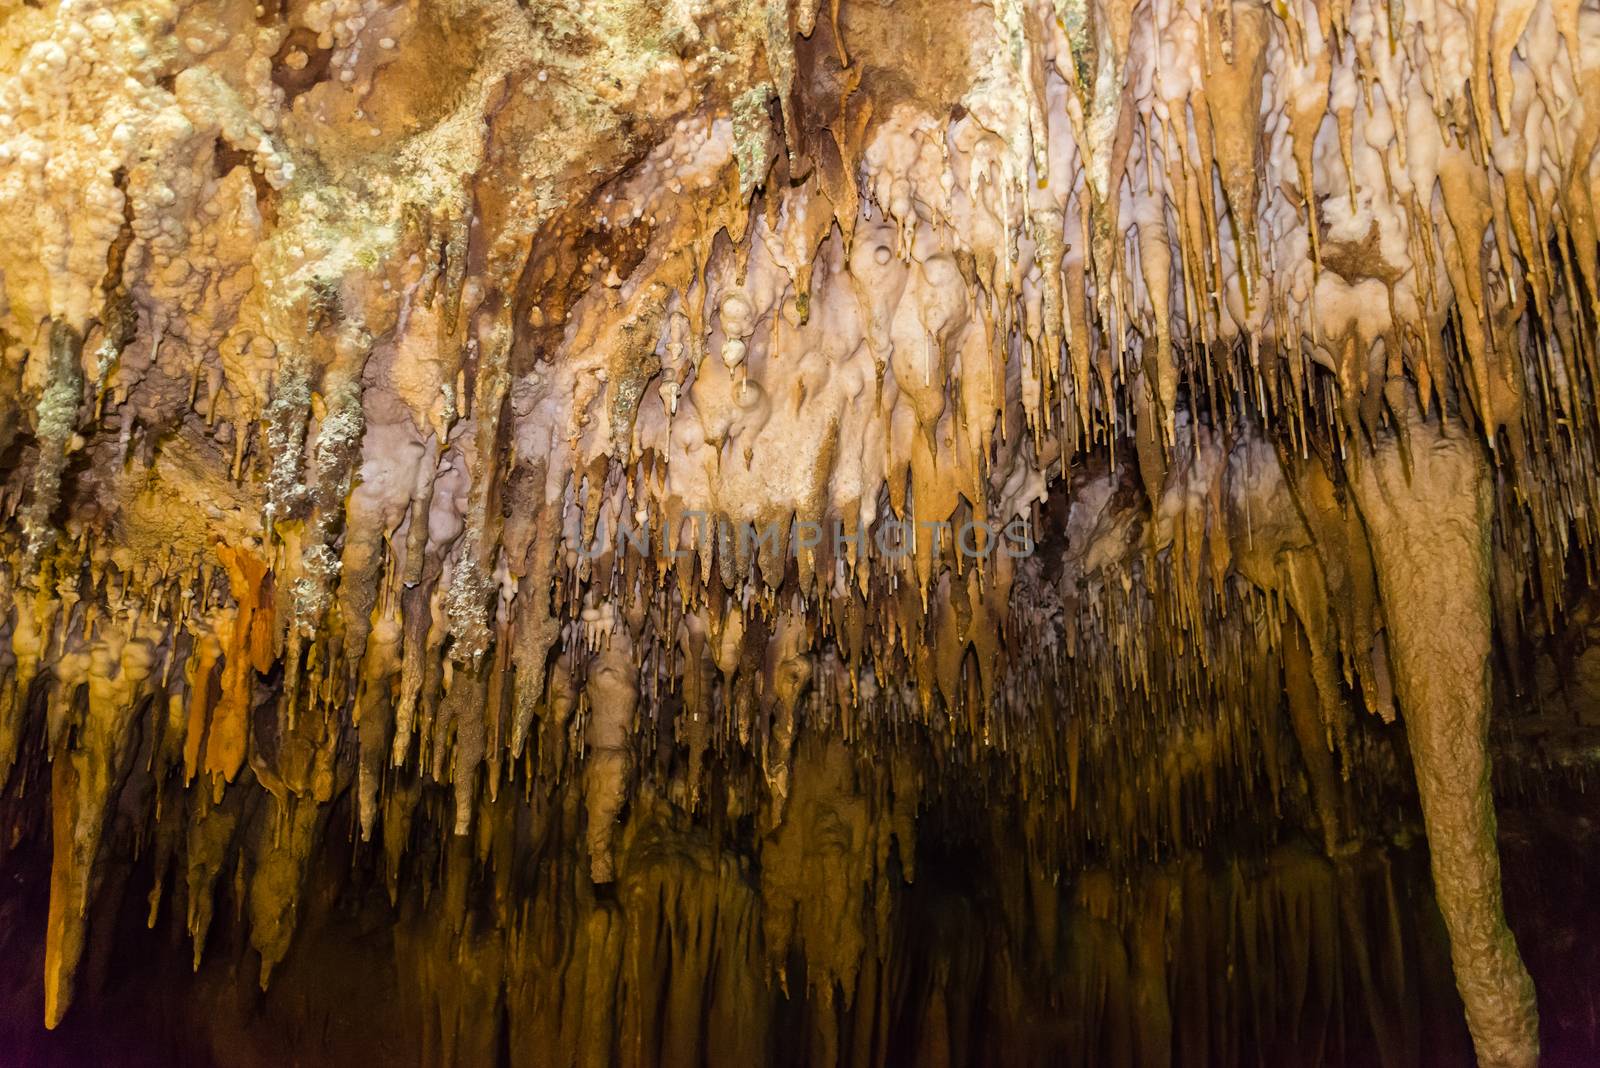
[631,482]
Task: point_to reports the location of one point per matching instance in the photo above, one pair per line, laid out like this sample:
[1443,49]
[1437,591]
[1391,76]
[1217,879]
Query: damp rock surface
[938,531]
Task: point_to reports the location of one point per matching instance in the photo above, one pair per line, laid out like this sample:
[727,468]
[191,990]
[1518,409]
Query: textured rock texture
[638,469]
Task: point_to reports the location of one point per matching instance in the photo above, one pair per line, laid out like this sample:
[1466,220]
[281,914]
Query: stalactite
[653,478]
[1429,529]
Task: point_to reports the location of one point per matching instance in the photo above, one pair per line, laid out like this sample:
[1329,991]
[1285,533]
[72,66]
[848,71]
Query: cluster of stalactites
[1197,266]
[970,319]
[1048,282]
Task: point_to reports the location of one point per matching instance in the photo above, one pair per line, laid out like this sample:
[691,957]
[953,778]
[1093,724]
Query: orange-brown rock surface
[639,469]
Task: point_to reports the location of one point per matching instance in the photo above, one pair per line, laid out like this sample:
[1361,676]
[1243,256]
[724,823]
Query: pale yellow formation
[628,419]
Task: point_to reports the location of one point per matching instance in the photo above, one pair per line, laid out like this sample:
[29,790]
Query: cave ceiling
[714,436]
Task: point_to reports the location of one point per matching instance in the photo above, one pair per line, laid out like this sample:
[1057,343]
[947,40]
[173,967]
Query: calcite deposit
[564,516]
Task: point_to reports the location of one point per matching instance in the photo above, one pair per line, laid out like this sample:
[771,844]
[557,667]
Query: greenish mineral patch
[752,136]
[286,417]
[57,414]
[1074,18]
[634,365]
[466,603]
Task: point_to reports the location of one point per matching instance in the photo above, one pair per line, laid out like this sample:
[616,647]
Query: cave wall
[592,458]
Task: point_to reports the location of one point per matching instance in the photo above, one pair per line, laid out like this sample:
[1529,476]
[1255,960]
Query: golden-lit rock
[639,468]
